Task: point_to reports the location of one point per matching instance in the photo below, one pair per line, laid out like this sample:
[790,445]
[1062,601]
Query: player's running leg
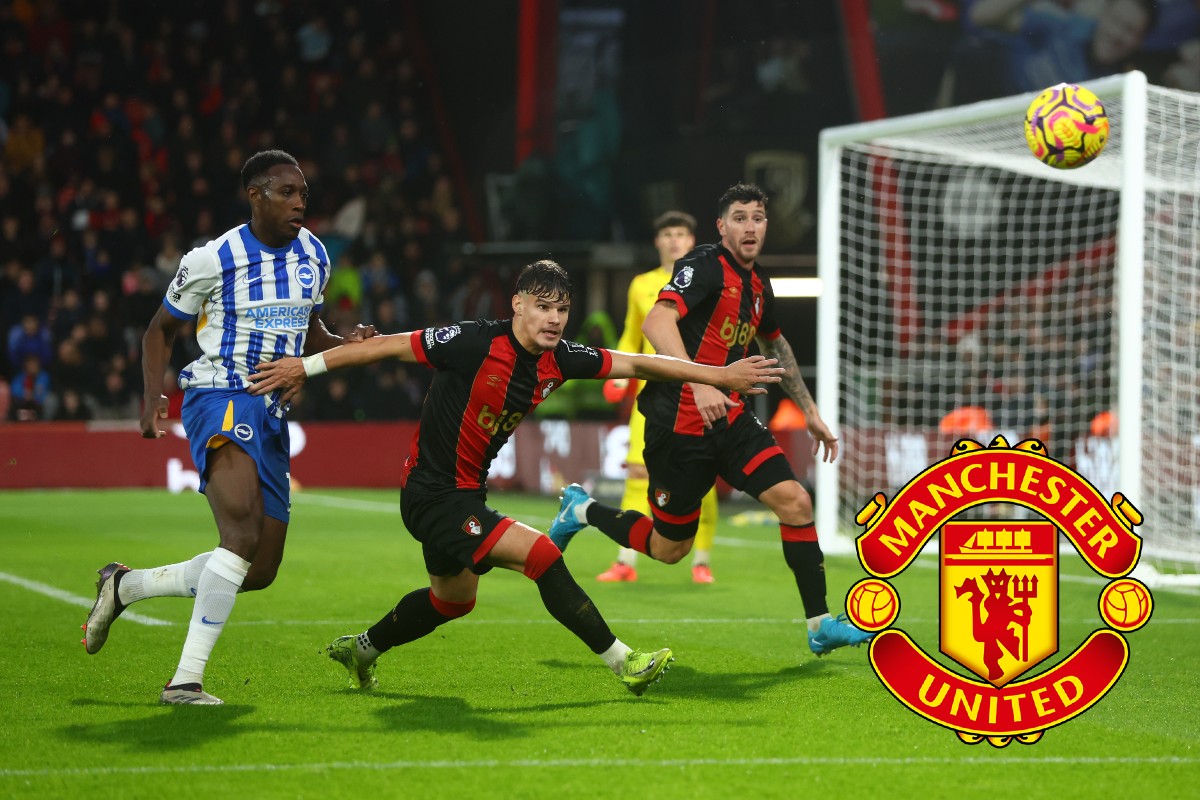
[536,556]
[802,552]
[235,496]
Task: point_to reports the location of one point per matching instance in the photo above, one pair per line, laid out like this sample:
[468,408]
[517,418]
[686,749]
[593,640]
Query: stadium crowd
[122,136]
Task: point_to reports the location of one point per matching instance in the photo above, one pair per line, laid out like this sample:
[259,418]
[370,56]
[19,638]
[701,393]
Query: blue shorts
[216,418]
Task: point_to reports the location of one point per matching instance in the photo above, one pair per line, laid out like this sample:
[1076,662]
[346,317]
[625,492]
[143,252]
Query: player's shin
[803,554]
[418,613]
[570,605]
[216,591]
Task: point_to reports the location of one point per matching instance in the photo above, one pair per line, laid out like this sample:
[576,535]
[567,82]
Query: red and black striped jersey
[722,307]
[485,384]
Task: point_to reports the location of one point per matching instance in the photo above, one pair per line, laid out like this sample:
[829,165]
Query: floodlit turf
[506,703]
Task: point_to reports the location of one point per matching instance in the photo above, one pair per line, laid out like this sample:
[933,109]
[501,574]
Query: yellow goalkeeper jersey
[643,294]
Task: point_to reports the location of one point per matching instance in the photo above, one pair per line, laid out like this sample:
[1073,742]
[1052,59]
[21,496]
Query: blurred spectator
[30,391]
[29,338]
[333,400]
[115,399]
[25,144]
[70,371]
[1045,43]
[72,407]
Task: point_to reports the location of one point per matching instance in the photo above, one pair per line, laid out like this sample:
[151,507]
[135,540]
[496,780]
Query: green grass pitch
[505,703]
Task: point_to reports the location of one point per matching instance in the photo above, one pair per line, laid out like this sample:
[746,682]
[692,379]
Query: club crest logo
[757,304]
[998,591]
[661,498]
[547,386]
[472,527]
[306,276]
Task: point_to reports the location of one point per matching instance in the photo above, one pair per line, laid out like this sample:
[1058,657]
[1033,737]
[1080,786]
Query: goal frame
[1131,87]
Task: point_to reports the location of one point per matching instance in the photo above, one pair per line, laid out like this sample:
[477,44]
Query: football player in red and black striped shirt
[719,300]
[490,376]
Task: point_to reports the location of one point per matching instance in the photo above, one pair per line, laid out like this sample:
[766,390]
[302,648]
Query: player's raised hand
[284,374]
[153,411]
[743,375]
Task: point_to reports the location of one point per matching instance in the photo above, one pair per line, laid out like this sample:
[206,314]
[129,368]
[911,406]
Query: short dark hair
[675,219]
[741,193]
[545,279]
[258,164]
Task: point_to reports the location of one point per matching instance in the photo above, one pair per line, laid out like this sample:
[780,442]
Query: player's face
[278,207]
[743,230]
[538,322]
[673,244]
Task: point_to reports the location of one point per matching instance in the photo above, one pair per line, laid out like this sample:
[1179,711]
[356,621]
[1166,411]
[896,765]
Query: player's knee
[449,608]
[541,557]
[795,506]
[259,577]
[670,552]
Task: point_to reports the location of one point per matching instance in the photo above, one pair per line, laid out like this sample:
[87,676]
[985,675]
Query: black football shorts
[456,529]
[683,468]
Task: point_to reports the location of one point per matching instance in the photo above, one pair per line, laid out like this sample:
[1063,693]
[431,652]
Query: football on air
[1066,126]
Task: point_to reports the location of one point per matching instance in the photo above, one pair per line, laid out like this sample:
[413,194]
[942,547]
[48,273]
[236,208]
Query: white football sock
[173,580]
[365,650]
[215,594]
[814,623]
[614,656]
[627,556]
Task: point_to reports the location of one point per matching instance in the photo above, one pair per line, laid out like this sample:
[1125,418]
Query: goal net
[971,291]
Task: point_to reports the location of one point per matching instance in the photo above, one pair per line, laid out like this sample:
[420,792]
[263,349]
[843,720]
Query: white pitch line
[74,599]
[606,763]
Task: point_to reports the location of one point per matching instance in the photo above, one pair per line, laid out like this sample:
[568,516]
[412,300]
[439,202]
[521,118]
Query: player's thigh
[217,424]
[511,550]
[235,498]
[750,459]
[456,529]
[682,471]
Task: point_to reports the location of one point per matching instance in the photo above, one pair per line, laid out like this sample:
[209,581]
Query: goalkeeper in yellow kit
[674,237]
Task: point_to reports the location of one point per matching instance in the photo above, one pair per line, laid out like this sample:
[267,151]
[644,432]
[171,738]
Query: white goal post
[970,290]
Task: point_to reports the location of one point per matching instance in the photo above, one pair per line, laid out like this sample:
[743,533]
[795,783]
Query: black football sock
[626,528]
[569,604]
[807,563]
[413,617]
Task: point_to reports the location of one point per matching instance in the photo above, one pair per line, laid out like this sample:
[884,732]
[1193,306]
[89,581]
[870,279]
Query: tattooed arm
[793,384]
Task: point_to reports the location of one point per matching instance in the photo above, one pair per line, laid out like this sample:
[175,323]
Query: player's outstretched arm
[288,374]
[794,387]
[740,376]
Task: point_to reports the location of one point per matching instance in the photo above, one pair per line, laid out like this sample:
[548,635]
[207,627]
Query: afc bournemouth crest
[998,591]
[661,497]
[472,527]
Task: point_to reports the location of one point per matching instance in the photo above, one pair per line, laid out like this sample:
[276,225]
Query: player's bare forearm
[289,373]
[157,343]
[741,376]
[793,383]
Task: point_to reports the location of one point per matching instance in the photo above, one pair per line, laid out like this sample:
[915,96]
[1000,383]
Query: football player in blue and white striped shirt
[255,294]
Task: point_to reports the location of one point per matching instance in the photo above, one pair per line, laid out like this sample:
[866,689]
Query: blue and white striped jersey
[251,303]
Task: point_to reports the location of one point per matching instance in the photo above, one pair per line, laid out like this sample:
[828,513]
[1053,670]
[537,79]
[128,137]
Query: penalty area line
[186,769]
[74,599]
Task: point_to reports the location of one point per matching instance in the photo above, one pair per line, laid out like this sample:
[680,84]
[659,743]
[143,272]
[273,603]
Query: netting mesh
[978,297]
